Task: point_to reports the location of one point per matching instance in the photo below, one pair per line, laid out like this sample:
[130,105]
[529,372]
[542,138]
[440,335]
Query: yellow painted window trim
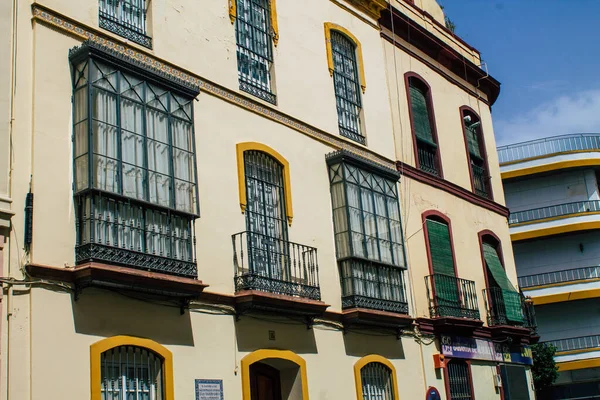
[367,360]
[329,26]
[245,146]
[273,9]
[100,347]
[264,354]
[578,364]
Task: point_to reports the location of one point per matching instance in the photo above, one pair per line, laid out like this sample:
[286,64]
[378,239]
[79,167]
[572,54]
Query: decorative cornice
[452,188]
[350,158]
[115,55]
[69,26]
[372,8]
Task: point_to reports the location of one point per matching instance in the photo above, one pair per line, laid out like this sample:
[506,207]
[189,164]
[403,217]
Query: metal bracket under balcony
[275,275]
[452,303]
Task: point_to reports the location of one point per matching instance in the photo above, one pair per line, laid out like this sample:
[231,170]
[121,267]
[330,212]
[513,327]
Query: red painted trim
[430,113]
[438,50]
[482,150]
[451,188]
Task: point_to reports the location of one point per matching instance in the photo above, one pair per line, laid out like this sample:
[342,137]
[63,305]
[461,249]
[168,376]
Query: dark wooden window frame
[481,141]
[447,378]
[430,111]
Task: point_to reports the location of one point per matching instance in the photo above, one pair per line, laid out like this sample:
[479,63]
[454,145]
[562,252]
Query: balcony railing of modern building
[591,342]
[566,276]
[559,210]
[548,146]
[509,308]
[451,297]
[268,264]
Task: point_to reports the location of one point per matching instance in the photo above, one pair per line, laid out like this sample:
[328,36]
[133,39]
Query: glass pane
[106,174]
[160,189]
[132,116]
[81,138]
[81,173]
[134,181]
[80,104]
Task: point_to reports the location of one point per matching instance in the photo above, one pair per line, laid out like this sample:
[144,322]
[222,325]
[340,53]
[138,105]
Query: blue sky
[545,53]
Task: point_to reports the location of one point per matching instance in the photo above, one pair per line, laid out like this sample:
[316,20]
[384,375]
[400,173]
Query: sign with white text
[209,389]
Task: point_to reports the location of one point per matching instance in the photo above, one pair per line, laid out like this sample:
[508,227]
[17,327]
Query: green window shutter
[446,290]
[512,299]
[473,140]
[420,114]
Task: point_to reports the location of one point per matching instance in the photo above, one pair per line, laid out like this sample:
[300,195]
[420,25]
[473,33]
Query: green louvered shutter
[473,140]
[443,265]
[420,114]
[512,299]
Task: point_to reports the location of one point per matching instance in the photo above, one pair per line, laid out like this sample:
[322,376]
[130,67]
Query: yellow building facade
[252,199]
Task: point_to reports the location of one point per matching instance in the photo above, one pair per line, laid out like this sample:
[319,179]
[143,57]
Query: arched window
[347,86]
[125,367]
[458,375]
[425,141]
[375,378]
[254,37]
[503,300]
[130,372]
[478,165]
[377,382]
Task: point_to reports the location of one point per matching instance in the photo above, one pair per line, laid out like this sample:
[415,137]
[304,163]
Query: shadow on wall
[105,313]
[264,332]
[360,345]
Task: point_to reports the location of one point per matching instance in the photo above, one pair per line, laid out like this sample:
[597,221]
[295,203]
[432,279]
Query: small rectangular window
[254,39]
[126,18]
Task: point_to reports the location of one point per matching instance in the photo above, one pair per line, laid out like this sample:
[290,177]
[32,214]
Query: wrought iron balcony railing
[126,18]
[451,297]
[479,180]
[122,231]
[368,284]
[508,308]
[576,343]
[269,264]
[564,276]
[548,146]
[558,210]
[426,153]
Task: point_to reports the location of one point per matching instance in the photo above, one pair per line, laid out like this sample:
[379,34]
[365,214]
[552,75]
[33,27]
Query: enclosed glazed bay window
[368,234]
[347,87]
[254,38]
[126,18]
[135,172]
[480,176]
[426,147]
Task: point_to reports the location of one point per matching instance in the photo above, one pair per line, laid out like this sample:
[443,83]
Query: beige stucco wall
[47,327]
[447,98]
[5,93]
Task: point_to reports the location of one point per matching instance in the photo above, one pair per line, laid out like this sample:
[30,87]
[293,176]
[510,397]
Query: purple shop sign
[486,350]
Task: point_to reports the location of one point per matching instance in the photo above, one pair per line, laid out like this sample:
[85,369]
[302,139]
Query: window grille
[255,48]
[130,372]
[135,171]
[346,86]
[377,382]
[126,18]
[427,148]
[266,214]
[459,380]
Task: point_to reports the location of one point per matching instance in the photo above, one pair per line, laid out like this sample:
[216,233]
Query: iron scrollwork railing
[270,264]
[451,297]
[126,18]
[134,234]
[426,153]
[497,301]
[558,210]
[479,180]
[368,284]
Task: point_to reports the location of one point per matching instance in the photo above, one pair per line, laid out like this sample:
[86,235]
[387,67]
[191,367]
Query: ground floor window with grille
[458,376]
[377,382]
[132,373]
